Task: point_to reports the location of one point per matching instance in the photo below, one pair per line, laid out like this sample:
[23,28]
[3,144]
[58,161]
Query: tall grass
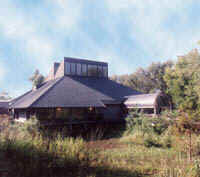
[146,148]
[34,155]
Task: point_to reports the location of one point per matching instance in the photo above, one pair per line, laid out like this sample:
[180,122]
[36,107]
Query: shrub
[46,157]
[145,124]
[159,125]
[137,121]
[166,142]
[150,141]
[170,114]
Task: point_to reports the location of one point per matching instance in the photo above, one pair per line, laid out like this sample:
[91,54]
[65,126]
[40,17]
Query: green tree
[37,79]
[183,81]
[4,96]
[147,79]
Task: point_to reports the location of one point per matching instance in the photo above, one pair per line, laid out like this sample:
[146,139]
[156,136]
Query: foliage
[150,141]
[138,121]
[147,79]
[173,114]
[34,155]
[183,81]
[37,79]
[152,154]
[4,96]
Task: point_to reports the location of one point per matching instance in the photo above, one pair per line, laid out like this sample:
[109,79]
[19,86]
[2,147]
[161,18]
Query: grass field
[139,152]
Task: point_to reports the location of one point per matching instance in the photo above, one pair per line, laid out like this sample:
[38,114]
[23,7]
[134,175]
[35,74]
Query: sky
[125,33]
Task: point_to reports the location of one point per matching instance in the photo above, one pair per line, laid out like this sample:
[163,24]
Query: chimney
[52,72]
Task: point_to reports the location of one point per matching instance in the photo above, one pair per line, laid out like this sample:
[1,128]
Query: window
[63,113]
[78,114]
[92,70]
[22,114]
[105,71]
[84,70]
[67,68]
[73,68]
[78,67]
[100,71]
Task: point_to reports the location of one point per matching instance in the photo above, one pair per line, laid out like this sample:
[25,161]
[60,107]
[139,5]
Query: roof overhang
[139,106]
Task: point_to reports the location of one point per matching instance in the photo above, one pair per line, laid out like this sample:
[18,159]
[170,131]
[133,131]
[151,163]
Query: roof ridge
[146,94]
[15,100]
[46,90]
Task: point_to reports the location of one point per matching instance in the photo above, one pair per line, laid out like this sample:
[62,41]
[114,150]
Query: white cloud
[23,33]
[147,23]
[32,37]
[68,14]
[56,28]
[26,33]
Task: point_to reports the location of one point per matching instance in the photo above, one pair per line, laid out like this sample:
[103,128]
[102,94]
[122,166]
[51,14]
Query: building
[4,106]
[148,103]
[75,89]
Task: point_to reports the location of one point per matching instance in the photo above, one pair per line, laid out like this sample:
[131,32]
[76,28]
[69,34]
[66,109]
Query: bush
[166,142]
[150,141]
[145,124]
[159,125]
[137,121]
[40,156]
[170,114]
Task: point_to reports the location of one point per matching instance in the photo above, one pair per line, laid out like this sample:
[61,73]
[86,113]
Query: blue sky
[125,33]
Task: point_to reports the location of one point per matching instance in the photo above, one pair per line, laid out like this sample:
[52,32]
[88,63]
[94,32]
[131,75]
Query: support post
[155,111]
[54,113]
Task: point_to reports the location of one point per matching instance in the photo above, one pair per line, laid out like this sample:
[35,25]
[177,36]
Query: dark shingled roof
[75,91]
[4,104]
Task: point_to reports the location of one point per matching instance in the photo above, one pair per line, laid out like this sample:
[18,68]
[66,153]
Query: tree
[37,79]
[4,96]
[183,82]
[147,79]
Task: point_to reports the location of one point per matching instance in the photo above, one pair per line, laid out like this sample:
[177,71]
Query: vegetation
[37,79]
[168,145]
[147,79]
[183,81]
[147,147]
[4,96]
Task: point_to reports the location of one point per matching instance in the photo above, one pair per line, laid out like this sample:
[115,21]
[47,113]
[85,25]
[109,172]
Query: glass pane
[73,68]
[92,70]
[78,65]
[67,68]
[84,70]
[100,71]
[105,71]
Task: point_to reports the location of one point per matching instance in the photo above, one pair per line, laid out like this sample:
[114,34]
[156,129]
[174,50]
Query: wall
[3,111]
[112,113]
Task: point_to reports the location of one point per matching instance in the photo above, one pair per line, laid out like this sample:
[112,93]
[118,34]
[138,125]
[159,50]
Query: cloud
[148,25]
[29,35]
[35,36]
[68,14]
[24,35]
[125,33]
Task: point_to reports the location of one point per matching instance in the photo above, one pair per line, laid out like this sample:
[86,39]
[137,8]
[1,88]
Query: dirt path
[105,144]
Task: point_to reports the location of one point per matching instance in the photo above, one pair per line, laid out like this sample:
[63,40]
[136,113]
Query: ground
[124,155]
[4,165]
